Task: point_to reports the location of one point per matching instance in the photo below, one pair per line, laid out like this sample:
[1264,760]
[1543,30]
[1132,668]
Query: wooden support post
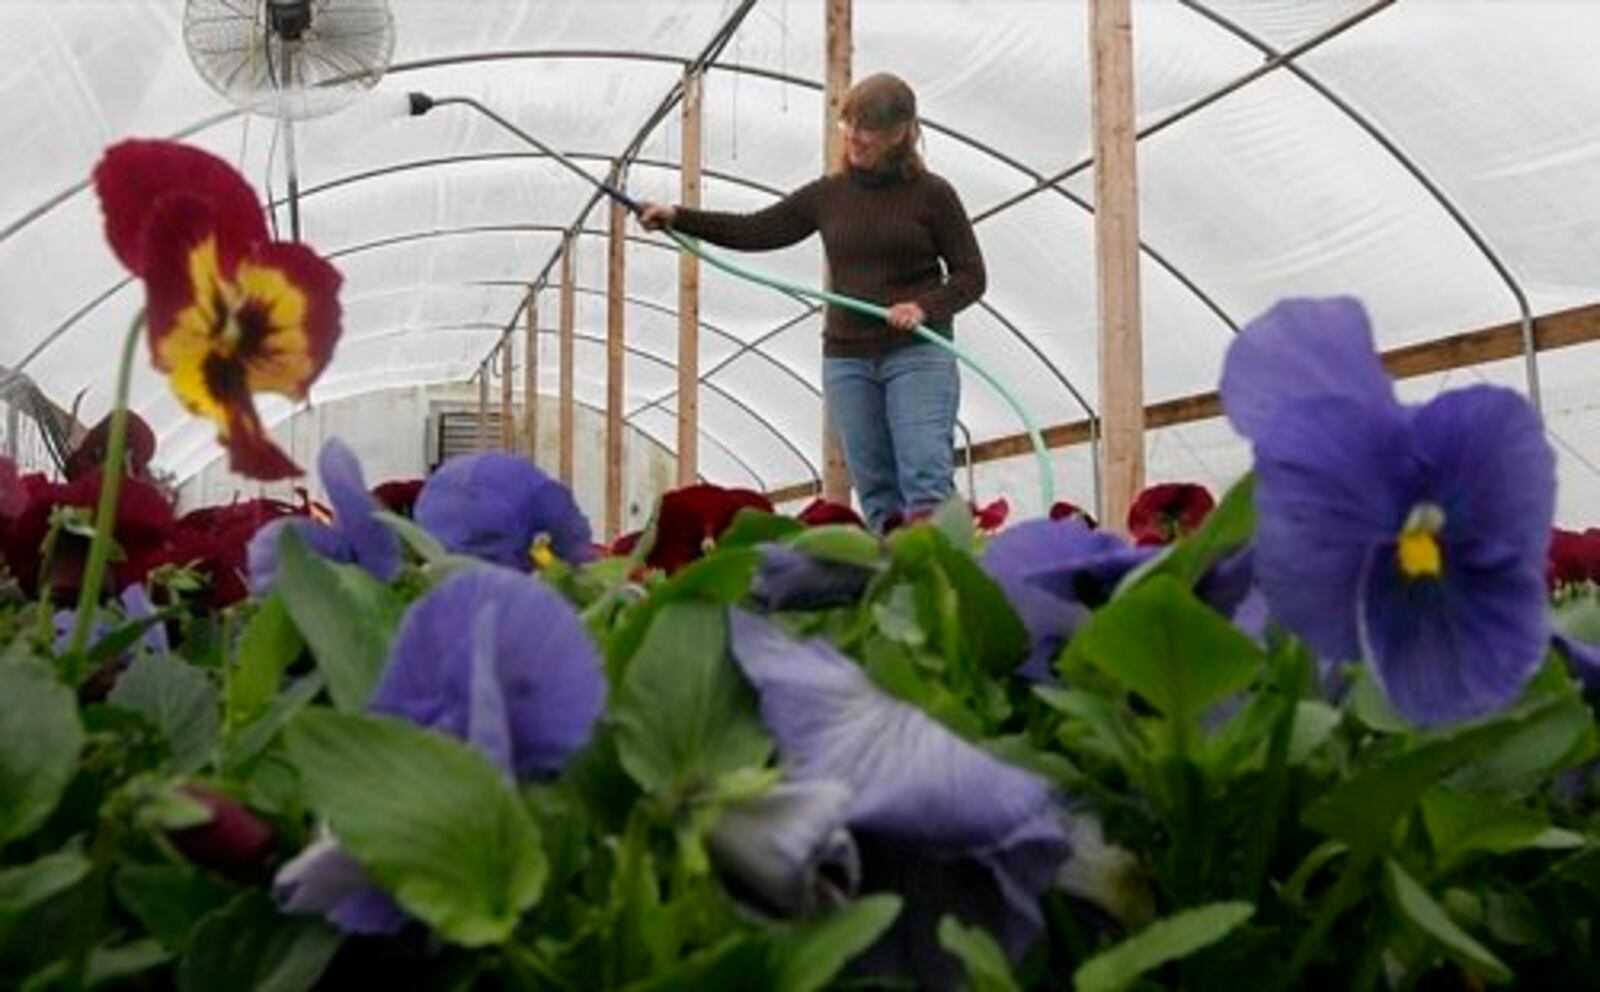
[508,420]
[616,255]
[530,379]
[689,291]
[569,413]
[835,472]
[481,442]
[1116,235]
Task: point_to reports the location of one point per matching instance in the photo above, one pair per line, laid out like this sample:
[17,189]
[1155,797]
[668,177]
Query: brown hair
[881,102]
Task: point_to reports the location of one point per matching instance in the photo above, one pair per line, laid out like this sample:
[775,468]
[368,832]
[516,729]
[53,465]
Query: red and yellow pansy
[230,312]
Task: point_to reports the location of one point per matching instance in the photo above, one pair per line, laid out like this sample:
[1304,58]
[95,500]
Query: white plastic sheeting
[1274,189]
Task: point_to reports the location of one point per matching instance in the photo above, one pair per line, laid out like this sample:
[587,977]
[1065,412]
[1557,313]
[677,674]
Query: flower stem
[1345,893]
[106,514]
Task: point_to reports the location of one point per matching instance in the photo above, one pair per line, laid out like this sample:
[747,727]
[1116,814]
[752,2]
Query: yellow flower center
[1419,551]
[540,553]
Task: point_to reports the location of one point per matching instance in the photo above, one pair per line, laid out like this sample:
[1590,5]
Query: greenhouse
[799,494]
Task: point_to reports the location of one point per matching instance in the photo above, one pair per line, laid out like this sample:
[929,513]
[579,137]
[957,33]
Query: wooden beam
[616,300]
[508,420]
[1561,329]
[530,379]
[836,84]
[569,348]
[689,290]
[1116,236]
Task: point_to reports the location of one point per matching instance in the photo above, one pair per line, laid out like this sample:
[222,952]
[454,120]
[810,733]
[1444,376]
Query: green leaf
[28,885]
[346,616]
[1164,644]
[427,816]
[985,962]
[1363,808]
[953,519]
[110,965]
[40,737]
[1460,822]
[724,577]
[684,713]
[896,617]
[269,645]
[254,738]
[751,527]
[807,956]
[1170,939]
[992,635]
[846,544]
[723,967]
[177,697]
[1108,733]
[1314,724]
[422,544]
[1559,736]
[249,945]
[1413,902]
[170,900]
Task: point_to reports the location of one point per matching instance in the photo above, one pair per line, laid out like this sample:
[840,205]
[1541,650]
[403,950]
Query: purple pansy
[354,535]
[786,852]
[502,509]
[1413,538]
[524,683]
[491,657]
[793,580]
[325,879]
[1055,572]
[911,810]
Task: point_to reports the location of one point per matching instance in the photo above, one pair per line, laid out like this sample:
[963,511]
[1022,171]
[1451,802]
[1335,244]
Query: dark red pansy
[1167,511]
[692,518]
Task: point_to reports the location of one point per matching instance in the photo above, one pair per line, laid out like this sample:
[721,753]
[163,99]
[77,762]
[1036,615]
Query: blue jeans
[896,417]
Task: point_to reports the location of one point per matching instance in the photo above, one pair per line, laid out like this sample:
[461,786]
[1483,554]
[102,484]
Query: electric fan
[290,59]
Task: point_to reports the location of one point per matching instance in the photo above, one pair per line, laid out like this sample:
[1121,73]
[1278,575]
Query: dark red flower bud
[824,511]
[235,842]
[399,496]
[90,454]
[992,517]
[1063,510]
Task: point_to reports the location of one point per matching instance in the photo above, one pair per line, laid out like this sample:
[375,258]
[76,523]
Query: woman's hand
[655,216]
[906,316]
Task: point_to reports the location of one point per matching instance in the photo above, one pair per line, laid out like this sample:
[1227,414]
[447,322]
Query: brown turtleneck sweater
[884,236]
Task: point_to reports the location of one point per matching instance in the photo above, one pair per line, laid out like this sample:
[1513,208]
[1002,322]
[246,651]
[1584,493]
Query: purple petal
[1455,647]
[371,544]
[1054,572]
[493,505]
[1301,349]
[786,852]
[549,673]
[1492,471]
[488,726]
[1333,480]
[262,551]
[912,778]
[996,888]
[792,580]
[324,879]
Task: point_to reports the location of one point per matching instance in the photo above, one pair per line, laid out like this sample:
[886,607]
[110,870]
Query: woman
[897,235]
